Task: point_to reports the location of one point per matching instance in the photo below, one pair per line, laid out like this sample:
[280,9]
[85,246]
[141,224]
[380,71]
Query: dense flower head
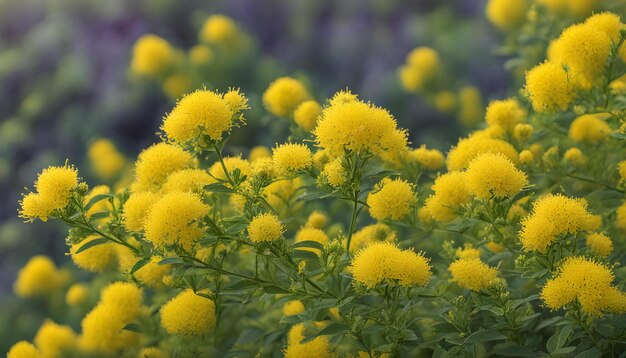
[152,352]
[54,186]
[607,22]
[451,193]
[152,55]
[292,157]
[589,128]
[359,127]
[391,199]
[220,30]
[23,349]
[151,274]
[54,339]
[236,100]
[311,234]
[431,159]
[575,156]
[473,274]
[526,157]
[199,113]
[96,258]
[200,55]
[265,227]
[506,14]
[306,114]
[383,262]
[174,220]
[424,58]
[106,161]
[587,281]
[187,180]
[136,209]
[259,152]
[284,95]
[523,131]
[293,307]
[552,216]
[494,175]
[334,173]
[317,220]
[371,233]
[505,113]
[188,314]
[445,101]
[549,87]
[156,163]
[76,294]
[469,148]
[317,348]
[281,194]
[600,244]
[38,277]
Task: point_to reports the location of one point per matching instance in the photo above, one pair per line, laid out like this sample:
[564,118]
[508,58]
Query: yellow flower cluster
[451,193]
[292,157]
[431,159]
[469,148]
[507,14]
[600,244]
[152,273]
[284,95]
[156,163]
[152,55]
[473,274]
[494,175]
[306,114]
[96,258]
[391,199]
[54,186]
[107,162]
[589,128]
[505,113]
[265,227]
[371,233]
[38,277]
[318,347]
[422,65]
[188,314]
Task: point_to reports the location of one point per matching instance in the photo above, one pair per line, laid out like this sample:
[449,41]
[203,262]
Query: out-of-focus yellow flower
[152,55]
[507,14]
[284,95]
[38,277]
[105,159]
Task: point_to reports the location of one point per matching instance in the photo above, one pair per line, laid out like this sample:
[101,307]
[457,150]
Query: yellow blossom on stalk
[587,281]
[152,55]
[359,127]
[293,307]
[151,274]
[188,314]
[105,159]
[589,128]
[548,87]
[383,262]
[292,157]
[223,31]
[507,14]
[318,347]
[575,156]
[505,113]
[284,95]
[470,106]
[175,220]
[236,101]
[265,227]
[431,159]
[495,247]
[156,163]
[200,55]
[553,216]
[37,278]
[187,180]
[467,149]
[523,131]
[467,252]
[136,209]
[473,274]
[494,175]
[451,193]
[199,113]
[316,220]
[54,186]
[607,22]
[53,339]
[445,101]
[391,199]
[424,58]
[151,352]
[526,157]
[334,173]
[231,163]
[306,114]
[412,79]
[311,234]
[600,244]
[96,258]
[76,294]
[259,152]
[23,349]
[371,233]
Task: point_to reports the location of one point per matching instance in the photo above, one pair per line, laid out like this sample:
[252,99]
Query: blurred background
[66,81]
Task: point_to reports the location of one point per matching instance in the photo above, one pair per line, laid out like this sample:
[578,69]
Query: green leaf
[92,243]
[564,350]
[171,260]
[559,338]
[96,199]
[548,322]
[250,335]
[304,255]
[273,289]
[133,327]
[590,353]
[309,244]
[139,264]
[461,225]
[99,215]
[333,328]
[485,335]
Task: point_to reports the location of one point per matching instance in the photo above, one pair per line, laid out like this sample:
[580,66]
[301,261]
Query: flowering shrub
[345,239]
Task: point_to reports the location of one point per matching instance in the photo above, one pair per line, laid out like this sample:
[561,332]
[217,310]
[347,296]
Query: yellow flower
[316,220]
[259,152]
[292,157]
[620,217]
[306,114]
[103,205]
[311,234]
[156,163]
[575,156]
[334,173]
[383,262]
[151,352]
[494,175]
[293,307]
[38,277]
[23,349]
[54,186]
[265,228]
[174,220]
[391,199]
[152,55]
[505,113]
[318,347]
[105,160]
[188,314]
[200,113]
[451,193]
[523,131]
[151,274]
[552,216]
[621,168]
[589,128]
[445,101]
[467,149]
[96,258]
[526,157]
[412,78]
[424,58]
[431,159]
[470,106]
[53,339]
[371,233]
[600,244]
[607,22]
[200,55]
[359,127]
[231,163]
[176,85]
[548,87]
[221,30]
[136,209]
[467,252]
[281,194]
[473,274]
[284,95]
[187,180]
[587,281]
[506,14]
[76,294]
